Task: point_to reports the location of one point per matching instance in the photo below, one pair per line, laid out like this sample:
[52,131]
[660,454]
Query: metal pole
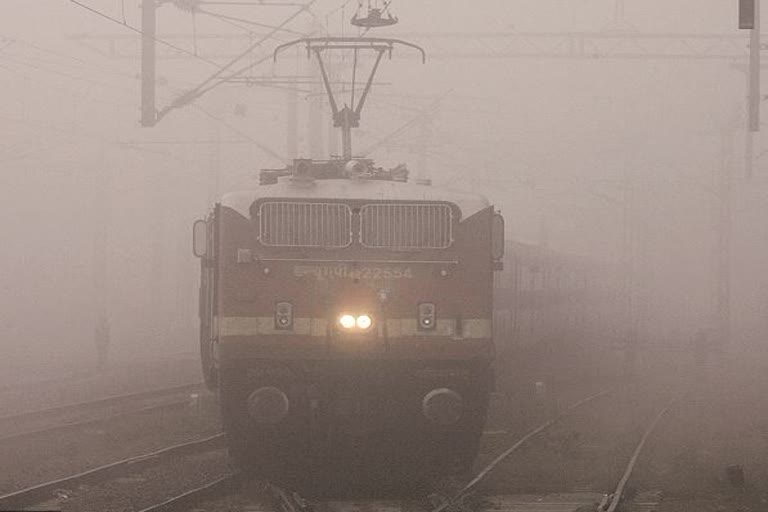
[101,203]
[148,37]
[628,250]
[754,74]
[315,123]
[724,242]
[292,124]
[749,154]
[346,135]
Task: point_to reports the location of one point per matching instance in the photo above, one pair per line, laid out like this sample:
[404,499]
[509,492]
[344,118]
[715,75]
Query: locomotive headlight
[358,323]
[347,321]
[427,316]
[364,322]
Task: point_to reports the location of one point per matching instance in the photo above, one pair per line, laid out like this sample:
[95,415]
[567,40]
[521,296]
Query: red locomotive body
[339,312]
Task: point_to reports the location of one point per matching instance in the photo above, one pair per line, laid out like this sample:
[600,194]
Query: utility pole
[292,123]
[426,138]
[754,72]
[628,271]
[315,123]
[148,62]
[749,18]
[101,216]
[724,228]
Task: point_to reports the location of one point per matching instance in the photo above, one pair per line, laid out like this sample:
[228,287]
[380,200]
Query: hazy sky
[552,142]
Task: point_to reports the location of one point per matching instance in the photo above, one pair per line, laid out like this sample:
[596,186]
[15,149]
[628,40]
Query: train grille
[406,226]
[286,224]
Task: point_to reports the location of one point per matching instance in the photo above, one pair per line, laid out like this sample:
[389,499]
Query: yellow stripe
[473,328]
[255,325]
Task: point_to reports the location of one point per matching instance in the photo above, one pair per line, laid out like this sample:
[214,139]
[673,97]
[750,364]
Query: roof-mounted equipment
[375,17]
[304,171]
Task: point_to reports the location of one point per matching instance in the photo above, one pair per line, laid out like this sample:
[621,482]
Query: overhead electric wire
[243,20]
[77,131]
[210,83]
[216,119]
[139,31]
[42,49]
[243,134]
[59,73]
[257,3]
[79,65]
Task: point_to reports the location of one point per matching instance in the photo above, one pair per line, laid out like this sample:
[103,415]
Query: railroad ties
[218,487]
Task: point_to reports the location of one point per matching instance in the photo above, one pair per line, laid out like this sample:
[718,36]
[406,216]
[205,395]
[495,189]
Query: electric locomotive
[344,310]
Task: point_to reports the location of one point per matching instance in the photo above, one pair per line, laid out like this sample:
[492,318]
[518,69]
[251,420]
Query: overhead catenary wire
[214,81]
[244,20]
[214,118]
[241,133]
[39,67]
[138,31]
[263,147]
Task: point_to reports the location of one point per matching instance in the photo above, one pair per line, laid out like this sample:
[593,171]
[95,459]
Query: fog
[616,159]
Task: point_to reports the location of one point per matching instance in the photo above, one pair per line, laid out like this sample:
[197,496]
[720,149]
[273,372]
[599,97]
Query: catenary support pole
[148,59]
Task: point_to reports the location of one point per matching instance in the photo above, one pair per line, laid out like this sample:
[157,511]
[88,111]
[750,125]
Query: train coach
[557,320]
[345,310]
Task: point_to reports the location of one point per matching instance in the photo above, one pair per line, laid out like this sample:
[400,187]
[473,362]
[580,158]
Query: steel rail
[16,387]
[456,500]
[278,498]
[185,500]
[109,400]
[42,492]
[615,498]
[91,421]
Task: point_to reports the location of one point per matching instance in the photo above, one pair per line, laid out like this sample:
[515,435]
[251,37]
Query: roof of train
[533,254]
[346,189]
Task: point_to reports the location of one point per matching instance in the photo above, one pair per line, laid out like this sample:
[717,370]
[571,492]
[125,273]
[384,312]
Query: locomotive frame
[410,385]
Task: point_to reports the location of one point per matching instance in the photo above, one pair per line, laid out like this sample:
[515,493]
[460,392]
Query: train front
[352,318]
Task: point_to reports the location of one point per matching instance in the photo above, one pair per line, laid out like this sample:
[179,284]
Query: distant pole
[101,215]
[315,110]
[315,123]
[148,59]
[424,142]
[628,264]
[724,241]
[754,72]
[753,94]
[749,154]
[292,125]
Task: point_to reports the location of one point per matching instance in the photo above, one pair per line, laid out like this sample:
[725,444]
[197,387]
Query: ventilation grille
[406,226]
[285,224]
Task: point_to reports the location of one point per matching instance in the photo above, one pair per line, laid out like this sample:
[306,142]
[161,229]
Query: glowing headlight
[347,321]
[364,321]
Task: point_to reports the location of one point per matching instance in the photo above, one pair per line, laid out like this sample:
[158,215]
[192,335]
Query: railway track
[222,484]
[16,427]
[50,493]
[609,502]
[278,499]
[48,444]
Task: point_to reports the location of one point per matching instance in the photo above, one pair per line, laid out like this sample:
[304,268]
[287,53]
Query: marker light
[364,322]
[284,316]
[347,321]
[427,316]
